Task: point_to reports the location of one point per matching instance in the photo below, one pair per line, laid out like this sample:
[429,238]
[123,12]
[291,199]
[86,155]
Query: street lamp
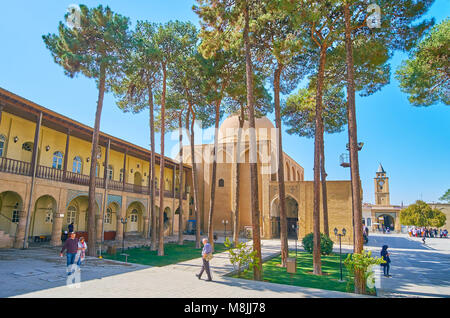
[344,231]
[295,228]
[123,221]
[225,222]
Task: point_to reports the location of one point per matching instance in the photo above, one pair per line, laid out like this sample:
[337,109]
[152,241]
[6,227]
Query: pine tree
[94,48]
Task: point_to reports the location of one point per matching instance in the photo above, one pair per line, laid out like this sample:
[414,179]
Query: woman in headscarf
[385,256]
[81,253]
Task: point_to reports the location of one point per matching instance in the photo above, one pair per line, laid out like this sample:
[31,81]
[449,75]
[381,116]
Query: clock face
[380,184]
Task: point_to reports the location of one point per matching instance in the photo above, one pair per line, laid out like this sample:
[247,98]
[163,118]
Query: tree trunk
[213,178]
[317,153]
[180,186]
[323,174]
[360,286]
[257,271]
[238,179]
[153,246]
[161,168]
[281,186]
[198,242]
[92,174]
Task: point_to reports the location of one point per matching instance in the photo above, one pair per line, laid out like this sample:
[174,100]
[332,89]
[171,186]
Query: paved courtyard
[418,271]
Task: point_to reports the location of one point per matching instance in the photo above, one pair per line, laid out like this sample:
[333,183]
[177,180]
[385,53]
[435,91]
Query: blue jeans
[70,261]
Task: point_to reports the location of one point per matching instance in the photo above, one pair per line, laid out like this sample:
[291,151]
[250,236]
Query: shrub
[326,244]
[363,262]
[242,256]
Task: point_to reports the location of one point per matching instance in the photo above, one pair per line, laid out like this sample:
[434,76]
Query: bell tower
[381,187]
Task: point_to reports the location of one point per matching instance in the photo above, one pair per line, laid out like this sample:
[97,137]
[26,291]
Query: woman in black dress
[385,256]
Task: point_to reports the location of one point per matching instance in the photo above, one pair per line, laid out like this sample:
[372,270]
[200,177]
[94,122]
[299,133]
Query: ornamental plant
[243,257]
[362,263]
[326,244]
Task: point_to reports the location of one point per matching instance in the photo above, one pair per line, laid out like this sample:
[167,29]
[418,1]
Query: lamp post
[344,231]
[295,228]
[123,221]
[225,222]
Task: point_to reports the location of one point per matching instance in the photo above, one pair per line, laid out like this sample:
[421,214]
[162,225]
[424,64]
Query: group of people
[75,252]
[425,232]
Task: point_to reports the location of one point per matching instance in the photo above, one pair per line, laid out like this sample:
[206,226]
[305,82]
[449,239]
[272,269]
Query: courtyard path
[417,270]
[179,281]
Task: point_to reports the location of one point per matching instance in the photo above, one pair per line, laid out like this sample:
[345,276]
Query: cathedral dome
[228,131]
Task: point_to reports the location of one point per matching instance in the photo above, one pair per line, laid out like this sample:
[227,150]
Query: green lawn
[173,253]
[273,273]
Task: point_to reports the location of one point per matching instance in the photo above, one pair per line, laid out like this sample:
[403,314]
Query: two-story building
[44,177]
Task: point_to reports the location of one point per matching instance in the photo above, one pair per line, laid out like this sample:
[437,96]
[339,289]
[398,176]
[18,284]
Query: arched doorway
[387,222]
[77,213]
[42,218]
[135,221]
[110,221]
[11,204]
[291,216]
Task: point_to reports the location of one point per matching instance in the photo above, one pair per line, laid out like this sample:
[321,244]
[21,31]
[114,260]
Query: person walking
[71,245]
[386,258]
[206,257]
[81,252]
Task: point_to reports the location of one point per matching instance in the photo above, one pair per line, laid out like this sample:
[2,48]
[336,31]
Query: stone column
[20,230]
[58,219]
[119,228]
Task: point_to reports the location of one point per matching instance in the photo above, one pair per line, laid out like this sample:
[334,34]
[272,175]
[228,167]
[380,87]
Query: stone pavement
[177,280]
[417,270]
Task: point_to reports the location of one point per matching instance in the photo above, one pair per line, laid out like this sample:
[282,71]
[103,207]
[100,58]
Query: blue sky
[412,143]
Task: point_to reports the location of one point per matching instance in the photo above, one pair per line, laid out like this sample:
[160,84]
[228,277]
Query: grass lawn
[173,253]
[273,273]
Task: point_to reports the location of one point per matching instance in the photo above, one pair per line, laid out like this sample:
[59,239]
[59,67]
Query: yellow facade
[60,196]
[299,193]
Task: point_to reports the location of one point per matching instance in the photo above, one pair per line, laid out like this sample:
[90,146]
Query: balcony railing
[15,166]
[24,168]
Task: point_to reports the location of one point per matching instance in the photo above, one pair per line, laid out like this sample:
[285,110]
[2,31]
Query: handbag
[208,257]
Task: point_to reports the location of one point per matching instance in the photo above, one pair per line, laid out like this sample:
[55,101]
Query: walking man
[206,257]
[71,245]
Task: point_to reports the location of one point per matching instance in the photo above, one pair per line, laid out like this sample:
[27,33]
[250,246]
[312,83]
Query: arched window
[57,160]
[134,216]
[110,172]
[77,165]
[121,175]
[15,214]
[71,214]
[27,146]
[108,216]
[2,145]
[221,183]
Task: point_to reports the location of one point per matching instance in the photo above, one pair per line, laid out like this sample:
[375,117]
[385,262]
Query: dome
[228,131]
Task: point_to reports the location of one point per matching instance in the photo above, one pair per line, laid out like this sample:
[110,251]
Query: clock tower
[381,187]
